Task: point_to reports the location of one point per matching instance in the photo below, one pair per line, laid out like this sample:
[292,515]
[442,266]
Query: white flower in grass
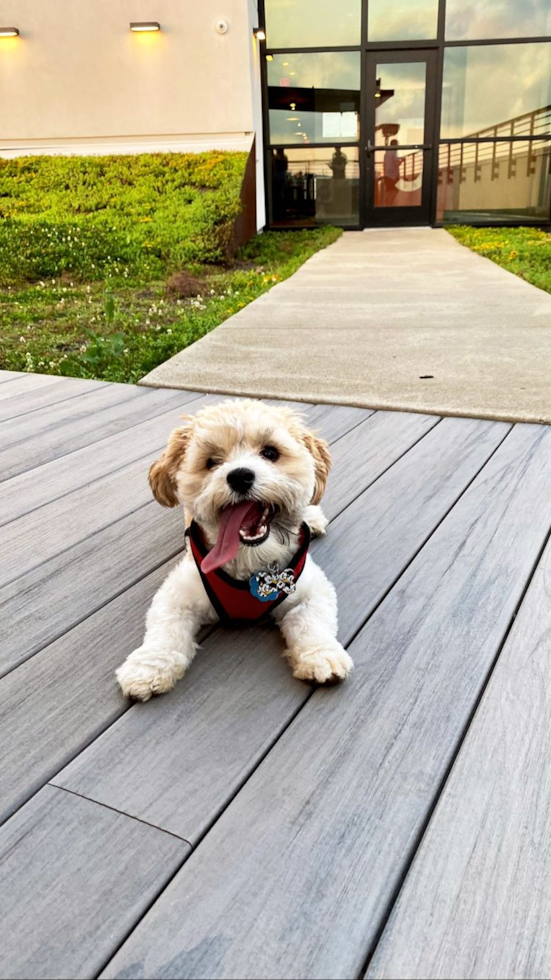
[21,340]
[169,331]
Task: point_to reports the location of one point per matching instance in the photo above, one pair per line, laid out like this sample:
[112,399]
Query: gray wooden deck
[247,825]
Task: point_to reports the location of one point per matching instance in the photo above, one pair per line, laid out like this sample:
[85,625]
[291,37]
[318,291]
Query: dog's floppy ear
[322,460]
[162,474]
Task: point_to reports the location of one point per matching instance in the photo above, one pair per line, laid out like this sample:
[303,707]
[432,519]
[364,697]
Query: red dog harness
[238,602]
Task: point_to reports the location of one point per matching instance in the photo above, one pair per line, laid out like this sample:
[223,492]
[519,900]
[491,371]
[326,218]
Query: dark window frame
[440,44]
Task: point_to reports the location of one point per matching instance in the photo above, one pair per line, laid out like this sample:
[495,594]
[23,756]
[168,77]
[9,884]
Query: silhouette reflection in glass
[338,164]
[280,166]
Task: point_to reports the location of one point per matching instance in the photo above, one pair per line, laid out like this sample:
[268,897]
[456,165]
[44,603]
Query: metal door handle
[371,148]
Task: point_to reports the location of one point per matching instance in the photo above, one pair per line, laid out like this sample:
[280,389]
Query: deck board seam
[48,780]
[416,844]
[114,809]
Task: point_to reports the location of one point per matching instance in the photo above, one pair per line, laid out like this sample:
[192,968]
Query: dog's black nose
[241,479]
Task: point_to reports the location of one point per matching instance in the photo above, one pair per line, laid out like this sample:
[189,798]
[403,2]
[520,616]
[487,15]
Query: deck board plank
[25,389]
[151,764]
[335,818]
[49,600]
[365,452]
[477,899]
[38,400]
[75,876]
[333,421]
[58,477]
[39,437]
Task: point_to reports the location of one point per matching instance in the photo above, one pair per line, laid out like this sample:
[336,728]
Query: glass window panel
[485,182]
[400,102]
[490,86]
[312,23]
[398,178]
[479,19]
[313,98]
[315,186]
[402,20]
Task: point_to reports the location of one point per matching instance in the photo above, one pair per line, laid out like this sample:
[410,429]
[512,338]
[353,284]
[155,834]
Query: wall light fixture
[141,27]
[9,32]
[259,34]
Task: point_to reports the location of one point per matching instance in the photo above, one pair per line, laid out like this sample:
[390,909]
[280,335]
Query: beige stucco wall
[78,72]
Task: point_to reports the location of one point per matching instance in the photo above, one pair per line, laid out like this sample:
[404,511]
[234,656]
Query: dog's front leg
[308,621]
[178,610]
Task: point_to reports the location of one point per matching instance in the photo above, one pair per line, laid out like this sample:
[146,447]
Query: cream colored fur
[233,435]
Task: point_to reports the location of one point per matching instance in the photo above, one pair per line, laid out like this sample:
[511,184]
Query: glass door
[398,139]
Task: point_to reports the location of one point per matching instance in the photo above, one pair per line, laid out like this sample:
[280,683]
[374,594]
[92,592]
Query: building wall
[78,81]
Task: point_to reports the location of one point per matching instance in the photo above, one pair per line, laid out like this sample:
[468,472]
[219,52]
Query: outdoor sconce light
[269,57]
[142,27]
[378,88]
[259,34]
[9,32]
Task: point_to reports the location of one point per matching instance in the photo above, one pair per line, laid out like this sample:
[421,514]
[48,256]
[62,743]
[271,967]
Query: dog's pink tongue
[228,540]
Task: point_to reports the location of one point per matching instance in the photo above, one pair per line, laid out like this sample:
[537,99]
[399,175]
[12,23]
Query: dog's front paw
[316,520]
[147,672]
[324,665]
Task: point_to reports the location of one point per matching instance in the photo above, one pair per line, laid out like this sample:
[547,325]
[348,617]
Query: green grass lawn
[524,251]
[110,265]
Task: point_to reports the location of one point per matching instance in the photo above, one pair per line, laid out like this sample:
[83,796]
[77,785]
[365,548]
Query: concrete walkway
[398,319]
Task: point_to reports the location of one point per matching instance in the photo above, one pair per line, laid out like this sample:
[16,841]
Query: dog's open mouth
[245,523]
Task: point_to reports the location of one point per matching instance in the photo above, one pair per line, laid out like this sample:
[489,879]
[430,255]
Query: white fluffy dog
[250,477]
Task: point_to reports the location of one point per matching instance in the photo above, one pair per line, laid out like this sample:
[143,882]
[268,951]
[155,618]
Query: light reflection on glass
[312,23]
[480,19]
[485,86]
[402,20]
[400,108]
[321,91]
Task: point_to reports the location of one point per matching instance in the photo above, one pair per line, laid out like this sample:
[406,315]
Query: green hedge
[117,218]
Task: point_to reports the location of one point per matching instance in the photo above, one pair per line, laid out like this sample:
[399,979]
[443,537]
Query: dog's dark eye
[211,463]
[271,453]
